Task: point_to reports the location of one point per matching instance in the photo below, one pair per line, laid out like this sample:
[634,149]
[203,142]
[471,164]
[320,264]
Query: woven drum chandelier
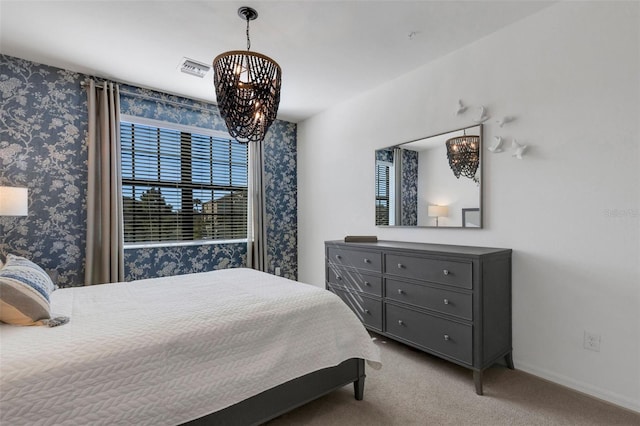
[247,89]
[463,153]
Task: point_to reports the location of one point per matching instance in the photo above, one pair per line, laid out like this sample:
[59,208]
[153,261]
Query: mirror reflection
[431,182]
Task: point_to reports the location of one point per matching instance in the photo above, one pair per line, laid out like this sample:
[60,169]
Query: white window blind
[382,193]
[179,185]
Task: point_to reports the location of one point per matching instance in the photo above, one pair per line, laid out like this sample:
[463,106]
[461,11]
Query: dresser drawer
[368,310]
[448,338]
[440,300]
[361,259]
[448,272]
[355,279]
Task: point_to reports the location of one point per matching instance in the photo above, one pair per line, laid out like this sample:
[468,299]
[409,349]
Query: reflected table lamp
[437,211]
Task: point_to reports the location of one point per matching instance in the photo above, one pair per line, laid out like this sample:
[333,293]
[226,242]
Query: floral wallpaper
[168,261]
[384,155]
[43,147]
[409,188]
[281,198]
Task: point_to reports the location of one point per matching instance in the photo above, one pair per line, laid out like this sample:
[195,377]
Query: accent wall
[43,147]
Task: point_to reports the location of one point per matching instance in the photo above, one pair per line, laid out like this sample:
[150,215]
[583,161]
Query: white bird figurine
[504,120]
[461,107]
[483,116]
[518,150]
[497,146]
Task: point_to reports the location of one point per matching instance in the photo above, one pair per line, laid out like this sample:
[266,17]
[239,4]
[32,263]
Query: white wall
[569,210]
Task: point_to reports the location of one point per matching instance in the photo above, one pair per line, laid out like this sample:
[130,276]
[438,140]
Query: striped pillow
[24,292]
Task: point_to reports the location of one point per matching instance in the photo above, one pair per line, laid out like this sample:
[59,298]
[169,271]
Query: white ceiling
[329,51]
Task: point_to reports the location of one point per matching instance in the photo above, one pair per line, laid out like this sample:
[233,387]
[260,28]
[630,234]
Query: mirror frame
[480,175]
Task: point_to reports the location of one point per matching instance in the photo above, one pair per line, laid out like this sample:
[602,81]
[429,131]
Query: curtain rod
[84,83]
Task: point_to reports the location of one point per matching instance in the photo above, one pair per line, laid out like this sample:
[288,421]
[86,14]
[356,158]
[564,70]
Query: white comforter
[169,350]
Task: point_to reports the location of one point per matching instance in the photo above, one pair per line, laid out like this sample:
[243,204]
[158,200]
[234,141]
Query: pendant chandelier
[247,89]
[463,153]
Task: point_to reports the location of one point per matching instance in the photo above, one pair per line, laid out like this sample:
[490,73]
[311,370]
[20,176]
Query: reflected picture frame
[471,218]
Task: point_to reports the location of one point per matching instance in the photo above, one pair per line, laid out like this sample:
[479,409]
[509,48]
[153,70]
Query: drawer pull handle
[367,283]
[446,272]
[400,291]
[366,311]
[338,257]
[366,260]
[446,301]
[400,266]
[400,322]
[446,337]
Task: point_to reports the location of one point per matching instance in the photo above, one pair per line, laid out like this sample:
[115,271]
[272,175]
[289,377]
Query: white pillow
[24,292]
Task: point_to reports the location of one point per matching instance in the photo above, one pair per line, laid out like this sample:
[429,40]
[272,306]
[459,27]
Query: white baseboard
[585,388]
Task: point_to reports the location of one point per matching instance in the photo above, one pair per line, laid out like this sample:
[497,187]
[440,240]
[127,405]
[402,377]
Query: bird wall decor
[504,120]
[518,149]
[483,115]
[497,145]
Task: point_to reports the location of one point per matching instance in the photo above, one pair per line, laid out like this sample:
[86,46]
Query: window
[382,192]
[181,184]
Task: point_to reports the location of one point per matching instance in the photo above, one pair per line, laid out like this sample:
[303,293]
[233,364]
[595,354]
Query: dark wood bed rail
[283,398]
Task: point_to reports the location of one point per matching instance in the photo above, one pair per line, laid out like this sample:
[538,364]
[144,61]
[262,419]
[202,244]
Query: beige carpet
[414,388]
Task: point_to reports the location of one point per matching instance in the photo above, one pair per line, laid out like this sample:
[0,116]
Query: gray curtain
[256,235]
[104,251]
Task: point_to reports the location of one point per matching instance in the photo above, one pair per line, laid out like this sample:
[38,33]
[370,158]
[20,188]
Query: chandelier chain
[248,39]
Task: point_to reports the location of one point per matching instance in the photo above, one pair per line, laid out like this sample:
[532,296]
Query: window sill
[182,243]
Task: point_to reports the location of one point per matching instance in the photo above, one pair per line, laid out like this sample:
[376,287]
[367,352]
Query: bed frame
[283,398]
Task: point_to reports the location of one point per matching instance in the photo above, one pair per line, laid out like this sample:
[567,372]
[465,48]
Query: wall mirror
[431,182]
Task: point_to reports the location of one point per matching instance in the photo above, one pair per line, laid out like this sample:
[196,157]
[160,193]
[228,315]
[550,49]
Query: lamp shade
[437,211]
[13,201]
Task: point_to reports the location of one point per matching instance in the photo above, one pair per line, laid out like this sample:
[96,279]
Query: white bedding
[169,350]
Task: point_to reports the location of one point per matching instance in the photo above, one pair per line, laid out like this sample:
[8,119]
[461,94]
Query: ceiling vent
[192,67]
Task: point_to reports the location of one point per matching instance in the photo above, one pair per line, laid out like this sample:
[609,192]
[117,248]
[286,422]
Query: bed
[234,346]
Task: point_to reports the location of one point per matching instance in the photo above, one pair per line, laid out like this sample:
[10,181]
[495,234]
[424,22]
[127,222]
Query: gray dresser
[450,301]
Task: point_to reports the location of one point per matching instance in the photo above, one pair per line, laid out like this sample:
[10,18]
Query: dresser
[453,302]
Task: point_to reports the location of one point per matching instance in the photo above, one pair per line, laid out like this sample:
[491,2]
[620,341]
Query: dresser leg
[508,359]
[477,380]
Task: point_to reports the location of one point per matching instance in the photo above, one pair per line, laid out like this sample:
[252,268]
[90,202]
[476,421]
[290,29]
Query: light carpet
[414,388]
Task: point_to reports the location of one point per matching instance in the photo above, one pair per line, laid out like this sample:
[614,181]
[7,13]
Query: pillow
[24,292]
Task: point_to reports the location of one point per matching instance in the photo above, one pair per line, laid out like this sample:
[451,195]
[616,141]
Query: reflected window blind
[182,186]
[382,193]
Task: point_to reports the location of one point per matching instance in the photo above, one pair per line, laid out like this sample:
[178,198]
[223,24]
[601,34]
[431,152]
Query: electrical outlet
[591,341]
[278,271]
